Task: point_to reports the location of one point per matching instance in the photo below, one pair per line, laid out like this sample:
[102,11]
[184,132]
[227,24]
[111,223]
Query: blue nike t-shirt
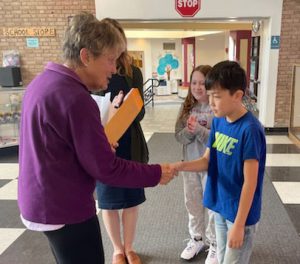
[230,145]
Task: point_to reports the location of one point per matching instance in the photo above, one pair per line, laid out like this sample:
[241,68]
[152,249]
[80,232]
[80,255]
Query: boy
[235,160]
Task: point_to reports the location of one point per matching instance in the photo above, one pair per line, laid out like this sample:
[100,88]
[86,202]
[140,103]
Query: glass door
[254,63]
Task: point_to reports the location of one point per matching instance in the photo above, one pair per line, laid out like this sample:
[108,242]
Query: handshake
[168,172]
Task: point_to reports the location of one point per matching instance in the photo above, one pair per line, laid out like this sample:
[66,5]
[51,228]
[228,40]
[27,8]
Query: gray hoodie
[194,146]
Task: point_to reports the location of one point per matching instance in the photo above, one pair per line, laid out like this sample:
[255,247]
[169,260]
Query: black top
[109,197]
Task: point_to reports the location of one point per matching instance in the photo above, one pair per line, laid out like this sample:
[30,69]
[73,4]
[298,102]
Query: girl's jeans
[228,255]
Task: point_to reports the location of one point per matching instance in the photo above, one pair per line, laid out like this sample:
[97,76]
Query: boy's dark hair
[228,75]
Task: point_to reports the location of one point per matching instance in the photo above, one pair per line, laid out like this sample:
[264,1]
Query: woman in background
[120,205]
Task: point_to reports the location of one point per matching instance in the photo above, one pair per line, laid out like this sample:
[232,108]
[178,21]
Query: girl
[192,131]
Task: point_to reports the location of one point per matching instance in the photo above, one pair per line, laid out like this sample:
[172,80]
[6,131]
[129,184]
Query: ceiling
[171,34]
[179,29]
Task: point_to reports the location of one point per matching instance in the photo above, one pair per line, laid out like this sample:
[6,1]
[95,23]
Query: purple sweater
[63,151]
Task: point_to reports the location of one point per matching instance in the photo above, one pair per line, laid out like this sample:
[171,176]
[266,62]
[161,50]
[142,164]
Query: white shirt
[40,227]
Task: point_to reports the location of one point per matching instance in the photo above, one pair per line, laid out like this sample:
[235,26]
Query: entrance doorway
[211,45]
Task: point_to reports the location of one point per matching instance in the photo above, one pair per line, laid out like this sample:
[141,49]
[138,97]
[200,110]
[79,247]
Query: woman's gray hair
[85,31]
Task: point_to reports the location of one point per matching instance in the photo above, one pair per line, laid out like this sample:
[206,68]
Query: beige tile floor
[160,118]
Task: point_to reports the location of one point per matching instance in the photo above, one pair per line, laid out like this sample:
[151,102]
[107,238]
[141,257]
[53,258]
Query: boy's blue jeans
[228,255]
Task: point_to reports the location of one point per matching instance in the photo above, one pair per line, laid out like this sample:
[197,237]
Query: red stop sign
[187,8]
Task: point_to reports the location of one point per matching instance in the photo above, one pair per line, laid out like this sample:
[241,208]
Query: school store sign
[187,8]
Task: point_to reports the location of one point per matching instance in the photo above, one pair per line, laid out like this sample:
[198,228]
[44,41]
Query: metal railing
[149,91]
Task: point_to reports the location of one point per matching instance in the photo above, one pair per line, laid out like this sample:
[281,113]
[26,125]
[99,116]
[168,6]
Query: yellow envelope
[125,115]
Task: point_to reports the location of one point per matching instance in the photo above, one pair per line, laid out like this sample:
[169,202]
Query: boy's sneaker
[192,249]
[212,255]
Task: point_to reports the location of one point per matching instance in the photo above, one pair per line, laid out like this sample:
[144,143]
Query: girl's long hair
[190,101]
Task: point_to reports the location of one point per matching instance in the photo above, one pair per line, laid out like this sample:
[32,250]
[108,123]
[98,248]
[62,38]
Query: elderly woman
[63,148]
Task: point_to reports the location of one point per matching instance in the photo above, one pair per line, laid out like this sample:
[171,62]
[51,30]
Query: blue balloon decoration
[169,57]
[161,69]
[162,61]
[165,61]
[174,64]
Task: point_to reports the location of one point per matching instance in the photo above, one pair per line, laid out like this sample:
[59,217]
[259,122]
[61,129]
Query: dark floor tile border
[31,247]
[293,211]
[3,182]
[9,154]
[283,148]
[10,214]
[286,174]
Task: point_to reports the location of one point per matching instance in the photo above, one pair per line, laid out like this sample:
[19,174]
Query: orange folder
[125,115]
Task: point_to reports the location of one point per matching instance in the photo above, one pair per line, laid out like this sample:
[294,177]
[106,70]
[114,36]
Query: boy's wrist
[239,225]
[180,165]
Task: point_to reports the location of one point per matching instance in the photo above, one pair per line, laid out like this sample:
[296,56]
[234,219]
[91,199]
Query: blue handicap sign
[275,42]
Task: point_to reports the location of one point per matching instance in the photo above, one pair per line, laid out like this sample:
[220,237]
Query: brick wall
[289,54]
[36,13]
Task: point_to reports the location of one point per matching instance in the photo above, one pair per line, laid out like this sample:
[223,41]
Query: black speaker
[10,76]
